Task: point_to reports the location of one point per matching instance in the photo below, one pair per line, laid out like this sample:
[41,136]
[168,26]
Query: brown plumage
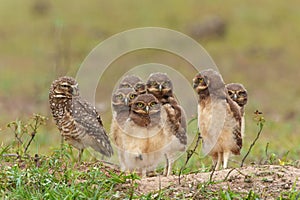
[134,82]
[161,86]
[147,135]
[219,118]
[239,94]
[121,101]
[77,120]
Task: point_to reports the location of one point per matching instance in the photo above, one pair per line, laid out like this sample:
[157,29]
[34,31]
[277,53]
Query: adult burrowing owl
[77,120]
[239,94]
[135,82]
[161,86]
[219,118]
[147,135]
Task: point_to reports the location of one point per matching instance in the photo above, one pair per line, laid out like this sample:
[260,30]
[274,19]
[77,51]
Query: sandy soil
[269,181]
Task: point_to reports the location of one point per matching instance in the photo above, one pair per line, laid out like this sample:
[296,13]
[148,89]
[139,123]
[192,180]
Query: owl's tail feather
[103,146]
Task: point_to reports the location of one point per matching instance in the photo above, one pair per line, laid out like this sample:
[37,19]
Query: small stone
[286,186]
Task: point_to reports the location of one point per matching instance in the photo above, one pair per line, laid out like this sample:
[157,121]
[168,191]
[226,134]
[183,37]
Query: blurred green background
[252,42]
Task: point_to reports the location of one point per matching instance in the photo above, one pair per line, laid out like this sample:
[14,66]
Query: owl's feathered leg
[168,166]
[226,155]
[143,173]
[80,152]
[62,139]
[217,160]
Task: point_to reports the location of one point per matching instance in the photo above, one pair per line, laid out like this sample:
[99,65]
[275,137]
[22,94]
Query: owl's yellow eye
[138,86]
[126,85]
[166,84]
[200,80]
[140,105]
[119,96]
[132,96]
[153,83]
[152,104]
[64,86]
[242,93]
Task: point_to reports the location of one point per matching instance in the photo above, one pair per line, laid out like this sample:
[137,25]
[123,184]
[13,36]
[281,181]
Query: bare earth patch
[269,181]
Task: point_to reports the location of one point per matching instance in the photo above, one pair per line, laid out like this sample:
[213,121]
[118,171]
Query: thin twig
[212,172]
[261,125]
[38,121]
[234,169]
[266,150]
[28,144]
[229,174]
[189,155]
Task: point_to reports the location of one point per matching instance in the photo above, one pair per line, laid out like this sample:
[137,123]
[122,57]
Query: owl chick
[161,86]
[135,82]
[219,118]
[238,93]
[121,101]
[147,135]
[77,120]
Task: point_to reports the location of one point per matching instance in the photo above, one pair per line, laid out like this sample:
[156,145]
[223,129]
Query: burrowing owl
[147,135]
[135,82]
[121,102]
[160,85]
[219,118]
[77,120]
[239,94]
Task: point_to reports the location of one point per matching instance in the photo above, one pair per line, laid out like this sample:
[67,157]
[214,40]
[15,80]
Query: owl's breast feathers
[222,112]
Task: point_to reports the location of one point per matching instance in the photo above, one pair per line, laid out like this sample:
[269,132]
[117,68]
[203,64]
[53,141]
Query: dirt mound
[268,181]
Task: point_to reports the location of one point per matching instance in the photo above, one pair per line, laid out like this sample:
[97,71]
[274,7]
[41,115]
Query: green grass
[27,174]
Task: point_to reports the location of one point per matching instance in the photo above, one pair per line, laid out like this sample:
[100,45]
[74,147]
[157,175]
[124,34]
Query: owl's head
[134,82]
[123,97]
[159,84]
[208,81]
[64,87]
[237,93]
[145,104]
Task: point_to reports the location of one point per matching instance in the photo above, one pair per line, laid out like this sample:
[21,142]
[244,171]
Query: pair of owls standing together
[148,127]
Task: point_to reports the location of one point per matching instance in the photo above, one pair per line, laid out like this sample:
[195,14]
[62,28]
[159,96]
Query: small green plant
[25,132]
[260,121]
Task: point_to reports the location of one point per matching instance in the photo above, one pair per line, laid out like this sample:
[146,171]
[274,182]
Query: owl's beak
[195,85]
[74,90]
[126,101]
[147,109]
[234,97]
[160,88]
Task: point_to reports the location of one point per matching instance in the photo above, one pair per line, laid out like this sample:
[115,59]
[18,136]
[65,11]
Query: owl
[238,93]
[77,120]
[147,135]
[219,118]
[135,82]
[121,101]
[161,86]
